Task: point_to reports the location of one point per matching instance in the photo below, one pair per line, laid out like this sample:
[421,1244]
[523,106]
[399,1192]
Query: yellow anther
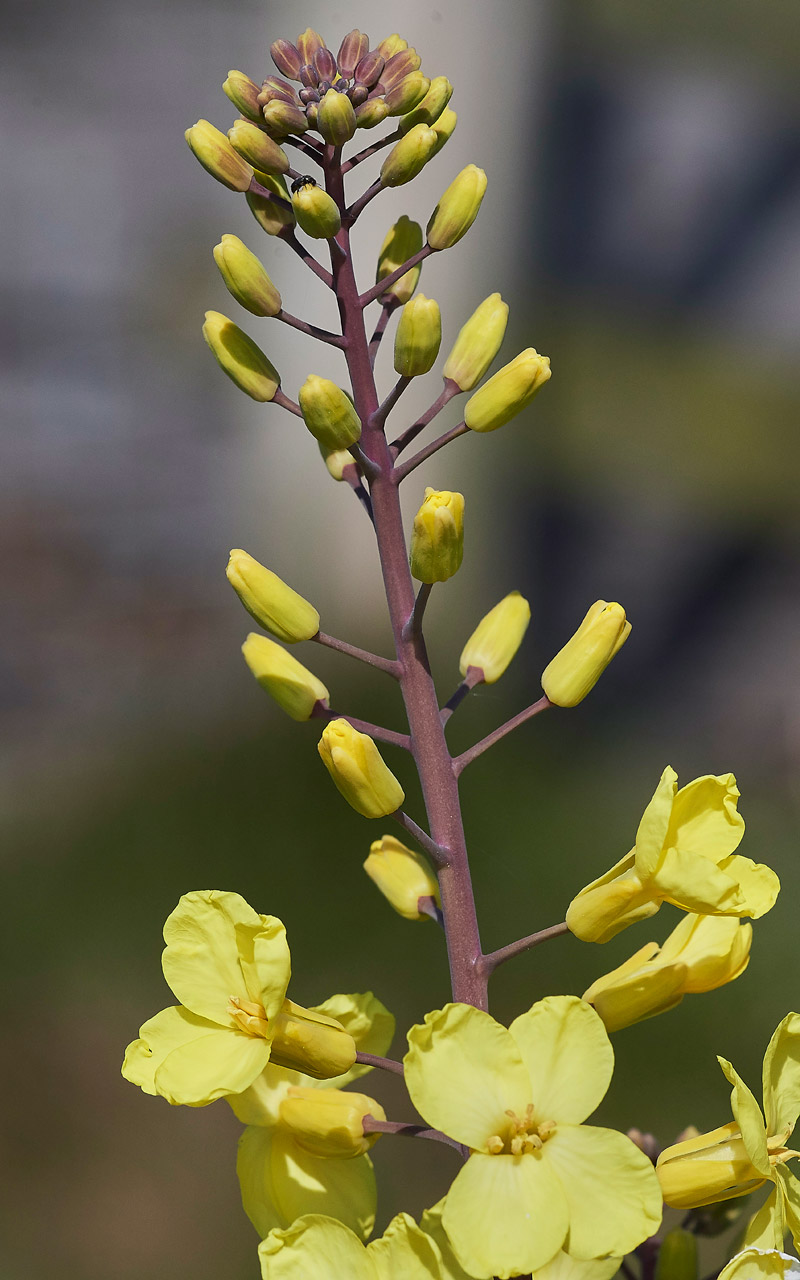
[248,1016]
[495,1145]
[517,1146]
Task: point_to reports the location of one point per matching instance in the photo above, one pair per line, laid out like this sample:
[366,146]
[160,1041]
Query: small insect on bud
[243,93]
[336,119]
[257,147]
[431,107]
[359,771]
[418,337]
[245,277]
[401,243]
[218,157]
[239,357]
[317,214]
[296,689]
[457,208]
[478,343]
[408,157]
[437,538]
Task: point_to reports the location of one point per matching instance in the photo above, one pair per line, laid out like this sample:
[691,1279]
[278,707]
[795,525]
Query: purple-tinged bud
[311,114]
[369,69]
[308,43]
[287,58]
[281,119]
[257,147]
[243,93]
[407,93]
[371,113]
[431,107]
[358,94]
[309,95]
[352,49]
[309,77]
[336,119]
[391,45]
[325,64]
[281,87]
[399,66]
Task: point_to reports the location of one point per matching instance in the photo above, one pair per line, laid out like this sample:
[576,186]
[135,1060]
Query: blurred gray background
[643,222]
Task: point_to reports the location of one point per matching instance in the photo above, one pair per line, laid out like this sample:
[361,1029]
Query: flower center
[248,1016]
[778,1153]
[522,1135]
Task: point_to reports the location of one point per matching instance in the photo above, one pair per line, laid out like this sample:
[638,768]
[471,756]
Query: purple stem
[474,676]
[266,194]
[406,1130]
[460,763]
[364,299]
[286,403]
[350,215]
[363,655]
[370,151]
[495,958]
[289,237]
[364,726]
[434,852]
[352,476]
[382,413]
[450,389]
[385,1064]
[380,328]
[309,148]
[430,450]
[335,339]
[428,906]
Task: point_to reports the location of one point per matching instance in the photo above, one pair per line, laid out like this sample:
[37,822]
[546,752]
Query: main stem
[429,748]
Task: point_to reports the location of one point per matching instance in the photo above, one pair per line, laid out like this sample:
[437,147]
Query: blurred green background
[642,220]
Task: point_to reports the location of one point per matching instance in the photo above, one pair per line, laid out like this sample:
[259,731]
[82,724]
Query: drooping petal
[714,949]
[565,1267]
[404,1250]
[254,1170]
[431,1223]
[568,1055]
[611,1189]
[789,1194]
[782,1076]
[158,1036]
[761,1264]
[261,1102]
[758,883]
[697,884]
[339,1187]
[505,1215]
[747,1114]
[369,1023]
[463,1072]
[210,1065]
[314,1246]
[704,817]
[266,963]
[767,1228]
[652,832]
[610,904]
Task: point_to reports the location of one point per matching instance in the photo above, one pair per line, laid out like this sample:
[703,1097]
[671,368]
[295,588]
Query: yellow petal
[340,1187]
[254,1170]
[696,884]
[158,1036]
[314,1246]
[622,999]
[463,1072]
[611,1188]
[782,1076]
[747,1114]
[760,1264]
[568,1055]
[714,950]
[652,832]
[704,817]
[564,1267]
[505,1215]
[759,885]
[369,1023]
[431,1224]
[404,1250]
[611,903]
[261,1102]
[766,1228]
[789,1194]
[213,1064]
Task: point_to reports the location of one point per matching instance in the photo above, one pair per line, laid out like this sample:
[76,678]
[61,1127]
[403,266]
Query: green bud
[271,215]
[295,689]
[457,209]
[336,460]
[371,113]
[391,45]
[437,538]
[677,1257]
[239,357]
[268,599]
[257,147]
[283,118]
[478,343]
[407,93]
[243,93]
[401,243]
[317,214]
[408,157]
[444,128]
[328,413]
[218,157]
[418,337]
[336,119]
[246,278]
[432,105]
[507,392]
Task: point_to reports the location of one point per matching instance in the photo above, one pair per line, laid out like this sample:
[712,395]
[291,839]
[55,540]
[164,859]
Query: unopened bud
[576,668]
[359,771]
[353,48]
[330,1122]
[418,337]
[402,875]
[268,599]
[372,113]
[478,343]
[712,1166]
[507,392]
[257,147]
[296,689]
[239,357]
[287,59]
[391,45]
[398,66]
[308,1041]
[437,539]
[336,119]
[497,637]
[408,157]
[457,208]
[336,460]
[401,243]
[328,413]
[273,216]
[316,212]
[308,44]
[246,278]
[444,128]
[677,1257]
[218,157]
[407,94]
[431,107]
[368,71]
[243,93]
[283,118]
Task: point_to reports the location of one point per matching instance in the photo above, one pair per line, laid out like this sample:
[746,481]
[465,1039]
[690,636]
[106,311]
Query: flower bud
[371,113]
[336,460]
[287,59]
[637,989]
[437,539]
[391,45]
[431,107]
[398,66]
[246,278]
[283,118]
[353,48]
[406,94]
[408,157]
[310,1042]
[218,157]
[495,640]
[328,413]
[402,875]
[368,71]
[401,243]
[243,93]
[418,337]
[507,392]
[316,212]
[677,1257]
[358,770]
[336,119]
[477,344]
[444,128]
[296,689]
[712,1166]
[273,216]
[273,604]
[308,44]
[330,1122]
[576,668]
[257,147]
[239,357]
[457,209]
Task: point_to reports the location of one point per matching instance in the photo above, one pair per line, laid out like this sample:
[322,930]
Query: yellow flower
[497,637]
[280,1178]
[402,875]
[229,967]
[684,854]
[748,1151]
[761,1264]
[701,954]
[327,1250]
[359,771]
[537,1178]
[437,538]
